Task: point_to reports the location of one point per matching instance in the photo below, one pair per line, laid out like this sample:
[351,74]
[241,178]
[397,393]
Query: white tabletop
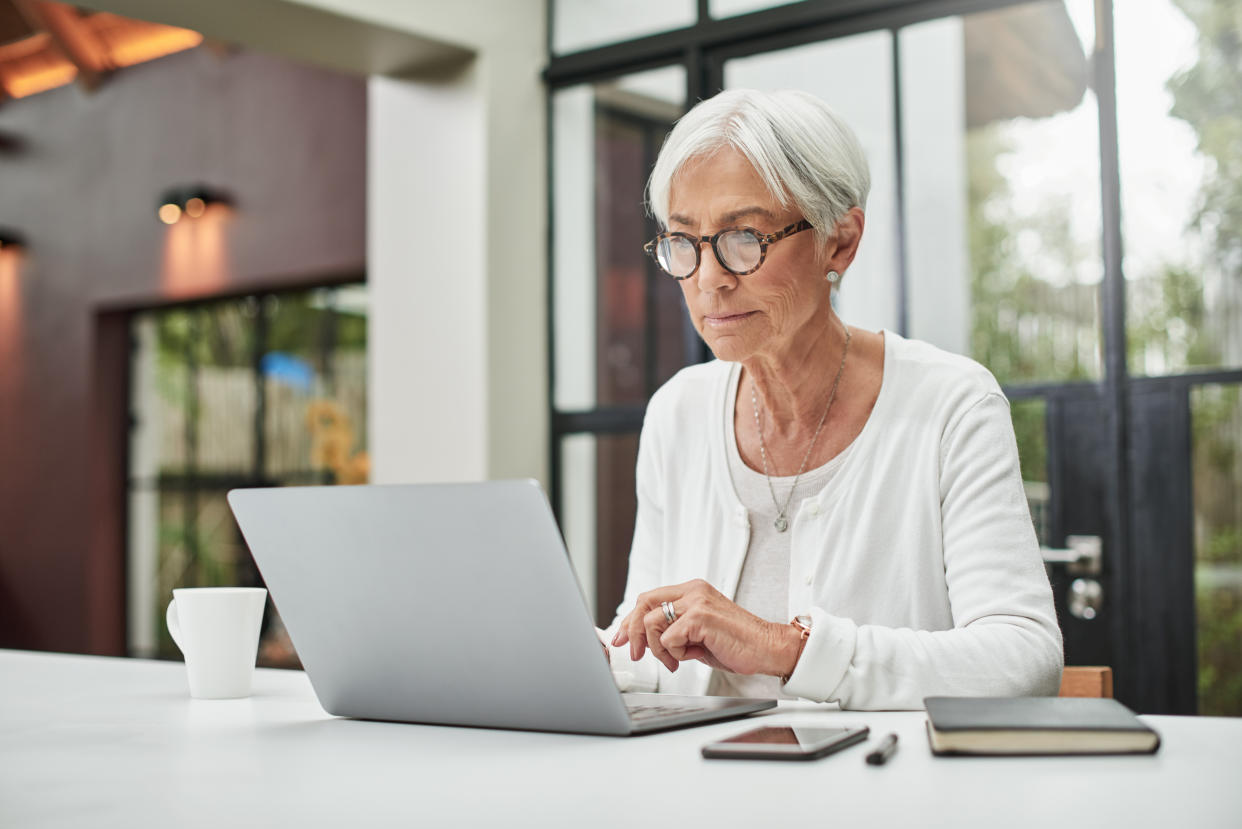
[92,741]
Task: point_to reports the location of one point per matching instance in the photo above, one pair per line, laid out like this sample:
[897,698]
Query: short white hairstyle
[804,152]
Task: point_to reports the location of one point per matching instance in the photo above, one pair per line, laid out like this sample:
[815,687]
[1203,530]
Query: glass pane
[618,322]
[199,373]
[202,379]
[198,546]
[868,296]
[1179,95]
[314,370]
[1001,161]
[1030,429]
[583,24]
[730,8]
[1216,446]
[597,514]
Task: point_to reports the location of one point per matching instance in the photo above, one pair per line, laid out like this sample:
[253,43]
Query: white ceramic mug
[217,629]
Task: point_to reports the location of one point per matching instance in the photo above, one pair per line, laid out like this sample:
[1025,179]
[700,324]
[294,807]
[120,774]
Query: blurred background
[268,243]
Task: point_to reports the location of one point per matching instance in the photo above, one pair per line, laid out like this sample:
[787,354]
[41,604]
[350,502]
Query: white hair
[804,152]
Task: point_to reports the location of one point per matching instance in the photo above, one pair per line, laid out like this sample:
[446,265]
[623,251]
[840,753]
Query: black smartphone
[786,742]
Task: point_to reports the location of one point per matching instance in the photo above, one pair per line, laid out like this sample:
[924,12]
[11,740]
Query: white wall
[428,371]
[573,164]
[937,239]
[458,328]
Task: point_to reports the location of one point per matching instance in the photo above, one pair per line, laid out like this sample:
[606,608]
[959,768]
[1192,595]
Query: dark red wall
[79,177]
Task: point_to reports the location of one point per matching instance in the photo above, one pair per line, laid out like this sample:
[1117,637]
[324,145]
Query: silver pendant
[782,523]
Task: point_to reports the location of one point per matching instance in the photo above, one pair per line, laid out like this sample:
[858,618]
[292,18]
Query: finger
[684,640]
[705,656]
[651,599]
[637,637]
[701,654]
[625,629]
[680,636]
[622,635]
[648,601]
[655,623]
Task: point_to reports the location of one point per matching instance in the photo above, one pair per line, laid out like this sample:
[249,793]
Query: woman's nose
[711,275]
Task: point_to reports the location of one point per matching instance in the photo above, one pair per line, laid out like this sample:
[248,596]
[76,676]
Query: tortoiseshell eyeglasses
[739,250]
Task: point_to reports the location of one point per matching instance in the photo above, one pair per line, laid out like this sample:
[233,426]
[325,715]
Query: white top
[763,586]
[917,562]
[99,742]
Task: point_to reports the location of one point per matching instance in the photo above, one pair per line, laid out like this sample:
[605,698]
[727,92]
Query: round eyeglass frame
[765,239]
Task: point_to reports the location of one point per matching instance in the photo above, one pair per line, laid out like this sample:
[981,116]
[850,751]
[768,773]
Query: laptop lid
[433,603]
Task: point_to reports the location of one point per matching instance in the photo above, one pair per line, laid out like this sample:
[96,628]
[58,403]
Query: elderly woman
[863,485]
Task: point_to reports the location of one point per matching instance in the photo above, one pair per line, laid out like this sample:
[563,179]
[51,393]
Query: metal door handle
[1083,555]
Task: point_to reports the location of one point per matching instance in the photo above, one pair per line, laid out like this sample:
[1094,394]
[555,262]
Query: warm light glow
[169,213]
[153,43]
[195,207]
[23,83]
[196,256]
[101,41]
[33,65]
[10,321]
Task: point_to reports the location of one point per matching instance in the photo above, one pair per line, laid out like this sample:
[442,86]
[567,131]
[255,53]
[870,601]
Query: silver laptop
[445,603]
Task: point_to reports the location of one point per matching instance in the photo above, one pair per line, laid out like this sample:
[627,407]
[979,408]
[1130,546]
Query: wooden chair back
[1087,681]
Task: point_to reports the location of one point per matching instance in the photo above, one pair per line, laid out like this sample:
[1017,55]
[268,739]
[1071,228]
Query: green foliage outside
[1004,290]
[1208,97]
[1216,435]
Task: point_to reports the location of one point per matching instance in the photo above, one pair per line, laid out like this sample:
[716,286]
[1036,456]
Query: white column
[937,214]
[426,253]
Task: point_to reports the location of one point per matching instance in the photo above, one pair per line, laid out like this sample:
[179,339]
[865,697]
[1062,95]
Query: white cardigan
[918,562]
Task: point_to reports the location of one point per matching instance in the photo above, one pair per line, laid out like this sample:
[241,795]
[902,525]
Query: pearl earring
[833,277]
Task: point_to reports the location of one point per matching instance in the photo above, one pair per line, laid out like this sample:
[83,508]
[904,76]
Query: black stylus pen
[886,749]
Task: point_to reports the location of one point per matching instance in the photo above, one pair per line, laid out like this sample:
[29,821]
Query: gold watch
[803,625]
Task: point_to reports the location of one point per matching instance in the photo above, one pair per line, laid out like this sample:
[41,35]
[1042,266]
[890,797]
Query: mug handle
[174,625]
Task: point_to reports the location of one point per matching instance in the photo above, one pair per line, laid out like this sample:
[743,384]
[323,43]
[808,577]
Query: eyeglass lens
[737,250]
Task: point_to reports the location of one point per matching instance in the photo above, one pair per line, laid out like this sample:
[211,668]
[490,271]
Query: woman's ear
[841,249]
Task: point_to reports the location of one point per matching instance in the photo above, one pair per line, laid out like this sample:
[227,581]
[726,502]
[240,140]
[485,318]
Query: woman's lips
[720,320]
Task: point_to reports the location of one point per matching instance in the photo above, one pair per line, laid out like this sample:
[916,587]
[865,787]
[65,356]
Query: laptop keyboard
[640,713]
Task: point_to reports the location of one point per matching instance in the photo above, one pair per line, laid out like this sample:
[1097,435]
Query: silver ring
[669,613]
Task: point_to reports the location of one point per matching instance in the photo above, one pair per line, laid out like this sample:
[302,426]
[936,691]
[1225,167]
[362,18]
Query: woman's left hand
[708,627]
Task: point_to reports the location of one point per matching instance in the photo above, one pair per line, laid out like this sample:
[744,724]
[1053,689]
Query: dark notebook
[1035,725]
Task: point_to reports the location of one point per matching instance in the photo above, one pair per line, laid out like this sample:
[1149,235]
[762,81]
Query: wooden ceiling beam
[63,23]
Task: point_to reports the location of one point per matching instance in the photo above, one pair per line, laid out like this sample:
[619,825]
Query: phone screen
[779,741]
[807,739]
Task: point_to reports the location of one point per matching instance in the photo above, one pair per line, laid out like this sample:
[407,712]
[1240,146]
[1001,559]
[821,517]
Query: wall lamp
[191,201]
[10,238]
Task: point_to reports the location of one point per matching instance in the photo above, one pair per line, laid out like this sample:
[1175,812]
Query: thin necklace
[782,522]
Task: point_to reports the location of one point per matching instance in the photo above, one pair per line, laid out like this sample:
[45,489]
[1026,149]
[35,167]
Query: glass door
[264,390]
